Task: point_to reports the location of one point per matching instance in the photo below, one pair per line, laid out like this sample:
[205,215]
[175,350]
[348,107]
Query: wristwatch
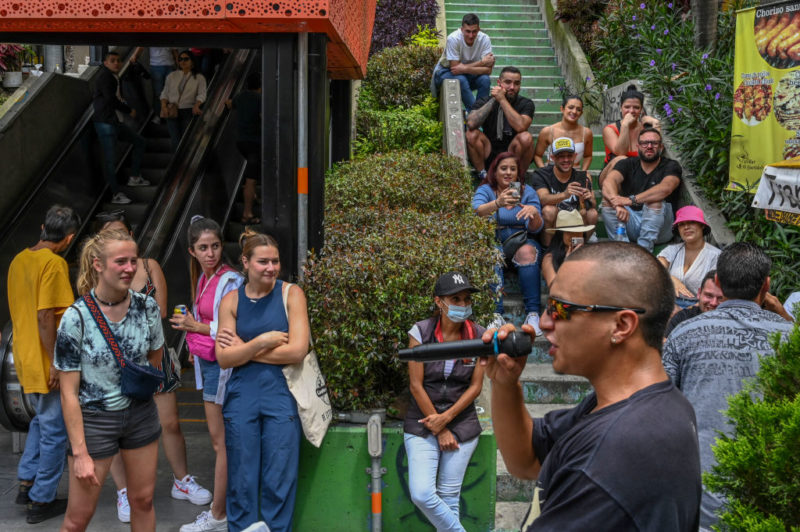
[634,203]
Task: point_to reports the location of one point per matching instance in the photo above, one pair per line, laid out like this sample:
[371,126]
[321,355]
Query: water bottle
[622,232]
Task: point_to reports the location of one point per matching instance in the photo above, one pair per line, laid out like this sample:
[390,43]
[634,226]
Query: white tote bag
[307,384]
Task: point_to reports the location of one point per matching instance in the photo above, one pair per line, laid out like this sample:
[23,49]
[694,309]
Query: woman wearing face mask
[441,426]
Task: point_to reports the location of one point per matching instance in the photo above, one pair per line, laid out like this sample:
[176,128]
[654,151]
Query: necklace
[109,303]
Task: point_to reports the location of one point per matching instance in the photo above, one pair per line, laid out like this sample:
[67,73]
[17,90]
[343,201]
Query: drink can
[180,309]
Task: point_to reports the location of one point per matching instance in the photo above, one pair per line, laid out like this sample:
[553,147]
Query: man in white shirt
[468,58]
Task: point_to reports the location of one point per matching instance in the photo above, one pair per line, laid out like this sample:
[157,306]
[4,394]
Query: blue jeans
[435,477]
[530,277]
[647,227]
[468,82]
[45,448]
[108,134]
[159,74]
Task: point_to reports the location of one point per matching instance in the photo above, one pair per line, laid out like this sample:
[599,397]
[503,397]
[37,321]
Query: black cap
[452,283]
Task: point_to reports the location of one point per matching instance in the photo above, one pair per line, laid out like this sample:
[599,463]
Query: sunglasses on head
[558,309]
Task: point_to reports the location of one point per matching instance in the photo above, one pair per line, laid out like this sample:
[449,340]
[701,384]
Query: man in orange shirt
[38,293]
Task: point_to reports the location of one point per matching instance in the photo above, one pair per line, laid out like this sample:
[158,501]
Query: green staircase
[520,38]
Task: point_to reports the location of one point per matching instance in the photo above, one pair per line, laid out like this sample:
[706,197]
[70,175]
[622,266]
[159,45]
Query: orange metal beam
[347,23]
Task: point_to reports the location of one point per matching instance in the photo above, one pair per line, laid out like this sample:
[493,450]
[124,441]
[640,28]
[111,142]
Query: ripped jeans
[647,227]
[529,274]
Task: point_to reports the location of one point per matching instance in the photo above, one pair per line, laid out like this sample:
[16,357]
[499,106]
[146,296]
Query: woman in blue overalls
[257,337]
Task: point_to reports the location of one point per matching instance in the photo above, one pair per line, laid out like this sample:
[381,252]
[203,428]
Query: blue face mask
[459,314]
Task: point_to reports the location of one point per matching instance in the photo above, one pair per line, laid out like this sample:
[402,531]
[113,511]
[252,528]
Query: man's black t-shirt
[522,105]
[635,181]
[681,316]
[633,465]
[546,178]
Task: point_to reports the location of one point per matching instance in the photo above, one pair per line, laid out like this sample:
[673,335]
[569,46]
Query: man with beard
[505,117]
[642,192]
[561,186]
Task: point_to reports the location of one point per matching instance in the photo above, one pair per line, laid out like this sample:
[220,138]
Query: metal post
[376,472]
[318,135]
[302,151]
[54,58]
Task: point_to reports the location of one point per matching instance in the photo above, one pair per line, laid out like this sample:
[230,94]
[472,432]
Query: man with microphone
[626,457]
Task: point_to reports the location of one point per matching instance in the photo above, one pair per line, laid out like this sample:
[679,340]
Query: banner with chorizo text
[766,100]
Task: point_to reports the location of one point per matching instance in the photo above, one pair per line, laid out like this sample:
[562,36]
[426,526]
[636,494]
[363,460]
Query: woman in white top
[185,89]
[689,261]
[571,111]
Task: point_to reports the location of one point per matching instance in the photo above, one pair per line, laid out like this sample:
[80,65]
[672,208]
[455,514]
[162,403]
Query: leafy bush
[581,15]
[417,129]
[400,76]
[397,19]
[757,467]
[393,224]
[425,36]
[691,90]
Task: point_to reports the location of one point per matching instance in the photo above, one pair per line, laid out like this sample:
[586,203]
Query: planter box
[334,489]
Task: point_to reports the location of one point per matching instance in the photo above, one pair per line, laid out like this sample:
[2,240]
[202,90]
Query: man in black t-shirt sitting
[505,117]
[626,457]
[561,186]
[642,193]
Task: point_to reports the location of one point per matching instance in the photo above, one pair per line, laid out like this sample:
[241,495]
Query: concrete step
[542,41]
[529,70]
[542,385]
[508,516]
[523,31]
[500,20]
[491,12]
[502,55]
[488,7]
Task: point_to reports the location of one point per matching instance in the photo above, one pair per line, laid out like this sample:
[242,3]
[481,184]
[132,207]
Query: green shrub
[757,467]
[374,277]
[417,129]
[400,76]
[425,36]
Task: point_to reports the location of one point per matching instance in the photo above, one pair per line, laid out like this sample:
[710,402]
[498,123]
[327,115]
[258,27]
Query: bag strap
[285,294]
[102,324]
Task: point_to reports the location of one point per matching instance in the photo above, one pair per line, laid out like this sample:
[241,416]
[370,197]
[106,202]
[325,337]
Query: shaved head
[626,275]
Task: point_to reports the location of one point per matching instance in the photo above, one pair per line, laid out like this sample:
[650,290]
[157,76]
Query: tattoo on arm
[477,117]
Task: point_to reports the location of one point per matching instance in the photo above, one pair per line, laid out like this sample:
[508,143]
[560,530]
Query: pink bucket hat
[690,213]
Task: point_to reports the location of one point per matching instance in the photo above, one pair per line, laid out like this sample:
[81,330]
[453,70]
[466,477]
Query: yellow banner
[766,99]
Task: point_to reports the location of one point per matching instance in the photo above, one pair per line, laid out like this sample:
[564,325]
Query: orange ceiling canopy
[347,23]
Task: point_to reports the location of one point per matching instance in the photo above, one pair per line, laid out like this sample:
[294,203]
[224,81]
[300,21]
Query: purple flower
[633,26]
[666,32]
[633,18]
[548,100]
[672,119]
[708,86]
[679,109]
[673,66]
[668,109]
[705,56]
[588,79]
[652,62]
[653,27]
[637,35]
[641,6]
[716,96]
[669,5]
[670,98]
[658,51]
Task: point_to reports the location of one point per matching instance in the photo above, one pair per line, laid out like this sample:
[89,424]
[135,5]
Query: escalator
[204,175]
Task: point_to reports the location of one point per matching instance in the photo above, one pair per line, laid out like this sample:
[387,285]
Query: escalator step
[133,211]
[158,145]
[154,175]
[157,160]
[141,194]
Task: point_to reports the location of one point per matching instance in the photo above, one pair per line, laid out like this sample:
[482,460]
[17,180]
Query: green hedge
[393,224]
[758,468]
[417,129]
[400,76]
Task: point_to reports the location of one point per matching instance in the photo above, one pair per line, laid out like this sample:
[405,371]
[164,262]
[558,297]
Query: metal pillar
[318,130]
[96,54]
[341,107]
[54,58]
[279,145]
[302,151]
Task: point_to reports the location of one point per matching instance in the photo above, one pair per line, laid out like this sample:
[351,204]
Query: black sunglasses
[558,309]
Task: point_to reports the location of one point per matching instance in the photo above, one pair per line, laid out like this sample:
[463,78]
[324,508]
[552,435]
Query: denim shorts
[210,371]
[106,432]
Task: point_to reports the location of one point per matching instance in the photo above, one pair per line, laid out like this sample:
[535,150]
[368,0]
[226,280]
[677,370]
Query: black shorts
[106,432]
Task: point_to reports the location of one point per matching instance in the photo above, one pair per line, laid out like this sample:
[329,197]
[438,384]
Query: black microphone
[516,344]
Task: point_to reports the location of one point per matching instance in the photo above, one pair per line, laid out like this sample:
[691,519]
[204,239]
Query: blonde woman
[100,420]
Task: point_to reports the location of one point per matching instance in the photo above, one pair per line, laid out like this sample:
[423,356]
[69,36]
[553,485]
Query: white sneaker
[497,321]
[532,319]
[156,120]
[205,522]
[138,181]
[123,508]
[120,199]
[188,489]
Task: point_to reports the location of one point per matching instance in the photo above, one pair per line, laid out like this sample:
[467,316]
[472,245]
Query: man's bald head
[626,275]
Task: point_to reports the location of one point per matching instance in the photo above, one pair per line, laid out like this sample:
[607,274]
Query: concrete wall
[452,116]
[30,133]
[333,488]
[574,65]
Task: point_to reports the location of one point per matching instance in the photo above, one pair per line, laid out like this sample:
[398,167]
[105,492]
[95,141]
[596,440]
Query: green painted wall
[333,488]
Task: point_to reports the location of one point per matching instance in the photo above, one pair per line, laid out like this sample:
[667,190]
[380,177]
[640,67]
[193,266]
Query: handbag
[512,244]
[138,382]
[307,384]
[172,108]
